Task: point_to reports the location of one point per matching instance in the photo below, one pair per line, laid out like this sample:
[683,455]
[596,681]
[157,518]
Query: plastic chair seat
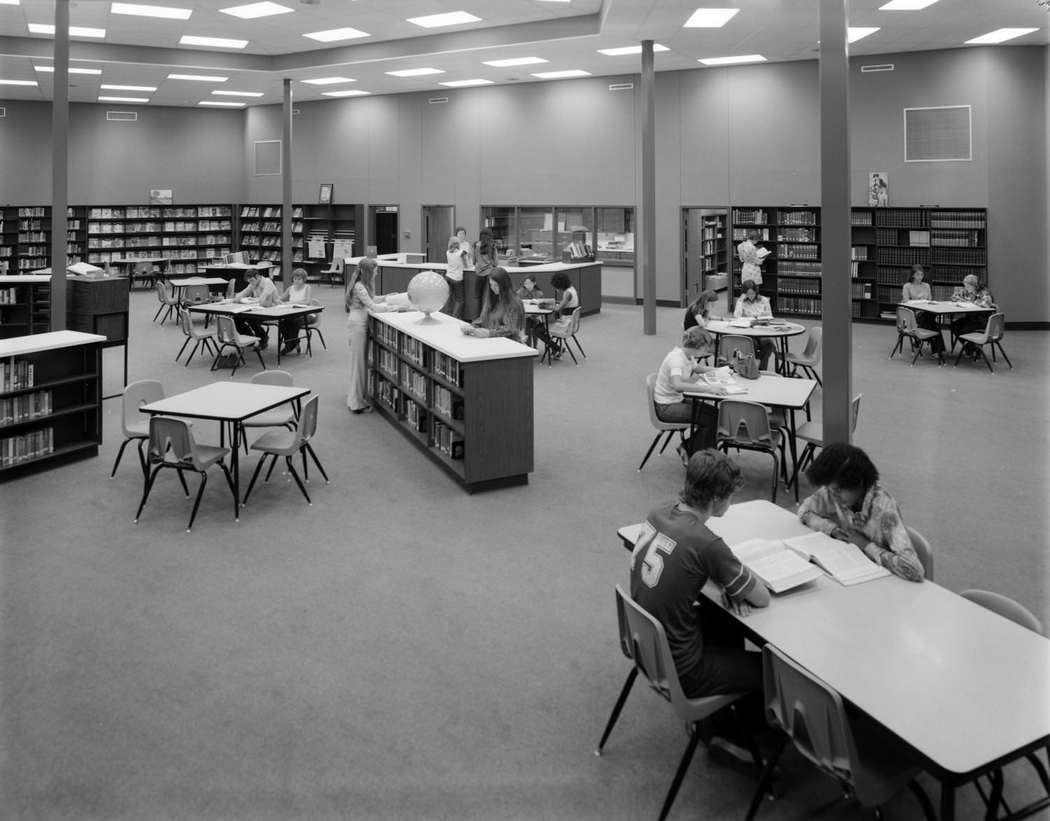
[134,425]
[908,328]
[991,337]
[287,443]
[282,442]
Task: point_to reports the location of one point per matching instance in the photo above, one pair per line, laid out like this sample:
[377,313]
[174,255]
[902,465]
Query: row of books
[387,394]
[740,234]
[903,256]
[273,242]
[14,450]
[416,416]
[32,263]
[414,350]
[447,403]
[755,216]
[448,369]
[799,268]
[155,212]
[959,256]
[797,217]
[16,409]
[859,252]
[16,374]
[860,290]
[269,211]
[33,236]
[957,219]
[799,251]
[788,285]
[797,235]
[955,238]
[413,382]
[123,228]
[28,225]
[902,218]
[798,305]
[448,441]
[385,333]
[387,362]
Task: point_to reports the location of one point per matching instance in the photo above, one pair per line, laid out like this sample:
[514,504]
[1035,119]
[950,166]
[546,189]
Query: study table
[946,308]
[228,403]
[779,333]
[178,286]
[964,687]
[139,267]
[256,314]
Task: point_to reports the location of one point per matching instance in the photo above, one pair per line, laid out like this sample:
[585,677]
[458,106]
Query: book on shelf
[843,561]
[779,568]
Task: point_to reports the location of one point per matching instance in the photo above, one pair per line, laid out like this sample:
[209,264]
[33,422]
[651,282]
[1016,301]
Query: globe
[428,292]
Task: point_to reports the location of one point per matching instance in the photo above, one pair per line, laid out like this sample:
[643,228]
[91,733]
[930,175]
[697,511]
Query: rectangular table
[179,285]
[228,403]
[964,687]
[264,316]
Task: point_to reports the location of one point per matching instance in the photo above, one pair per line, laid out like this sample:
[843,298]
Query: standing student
[458,256]
[485,262]
[360,299]
[504,315]
[750,261]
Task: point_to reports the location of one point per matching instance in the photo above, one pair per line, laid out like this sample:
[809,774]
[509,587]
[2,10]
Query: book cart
[464,401]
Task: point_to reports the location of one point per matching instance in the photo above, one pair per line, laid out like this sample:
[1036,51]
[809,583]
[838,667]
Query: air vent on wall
[620,86]
[437,100]
[937,134]
[122,116]
[877,67]
[3,111]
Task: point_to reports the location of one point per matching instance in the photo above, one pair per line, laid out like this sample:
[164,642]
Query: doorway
[706,263]
[384,227]
[437,228]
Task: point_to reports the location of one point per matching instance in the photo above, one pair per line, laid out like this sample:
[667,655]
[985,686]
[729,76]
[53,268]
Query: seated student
[563,308]
[697,312]
[971,292]
[528,290]
[299,293]
[675,376]
[261,288]
[916,289]
[751,303]
[673,559]
[850,505]
[503,314]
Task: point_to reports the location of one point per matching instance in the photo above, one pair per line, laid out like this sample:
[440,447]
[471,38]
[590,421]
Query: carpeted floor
[402,649]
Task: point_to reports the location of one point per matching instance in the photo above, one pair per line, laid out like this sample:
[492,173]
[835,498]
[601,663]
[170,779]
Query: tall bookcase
[25,305]
[332,224]
[713,245]
[260,233]
[187,235]
[25,237]
[791,273]
[50,400]
[443,391]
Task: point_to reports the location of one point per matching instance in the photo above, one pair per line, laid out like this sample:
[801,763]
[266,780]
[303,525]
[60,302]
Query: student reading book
[843,561]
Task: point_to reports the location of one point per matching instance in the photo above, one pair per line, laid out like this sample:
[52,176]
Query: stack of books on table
[786,564]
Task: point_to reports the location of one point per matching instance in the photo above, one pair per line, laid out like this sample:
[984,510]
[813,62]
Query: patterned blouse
[879,519]
[982,297]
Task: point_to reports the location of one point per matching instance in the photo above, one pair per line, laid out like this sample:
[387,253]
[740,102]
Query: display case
[614,236]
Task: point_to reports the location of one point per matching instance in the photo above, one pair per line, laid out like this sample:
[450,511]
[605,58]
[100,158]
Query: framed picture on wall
[325,195]
[160,196]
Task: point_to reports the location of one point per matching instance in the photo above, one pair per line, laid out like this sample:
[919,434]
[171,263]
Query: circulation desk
[464,401]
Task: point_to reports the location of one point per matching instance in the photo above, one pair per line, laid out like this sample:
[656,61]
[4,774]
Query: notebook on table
[779,568]
[843,561]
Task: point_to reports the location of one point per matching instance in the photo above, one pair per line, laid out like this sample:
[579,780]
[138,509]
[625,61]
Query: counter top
[442,333]
[22,345]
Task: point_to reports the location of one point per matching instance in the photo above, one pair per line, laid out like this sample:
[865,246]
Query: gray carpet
[404,650]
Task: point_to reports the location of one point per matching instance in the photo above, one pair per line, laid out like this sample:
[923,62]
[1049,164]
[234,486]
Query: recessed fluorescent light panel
[561,75]
[906,5]
[729,61]
[199,78]
[333,35]
[74,31]
[515,61]
[452,18]
[8,2]
[104,99]
[253,10]
[111,87]
[72,70]
[855,33]
[137,10]
[238,93]
[623,51]
[466,83]
[415,72]
[327,81]
[999,36]
[349,92]
[221,104]
[18,82]
[211,42]
[709,18]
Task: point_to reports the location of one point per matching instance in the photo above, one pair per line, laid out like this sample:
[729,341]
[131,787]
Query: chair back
[1005,607]
[814,344]
[995,327]
[337,264]
[922,550]
[196,294]
[810,712]
[574,321]
[906,322]
[137,394]
[745,422]
[272,378]
[231,288]
[308,420]
[646,643]
[854,411]
[650,402]
[314,319]
[163,290]
[186,322]
[169,435]
[225,330]
[729,344]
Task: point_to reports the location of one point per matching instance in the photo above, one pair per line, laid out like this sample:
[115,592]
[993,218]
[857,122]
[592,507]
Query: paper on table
[717,325]
[742,322]
[779,569]
[725,378]
[844,561]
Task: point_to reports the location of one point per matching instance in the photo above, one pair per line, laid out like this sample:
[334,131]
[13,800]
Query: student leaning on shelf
[850,505]
[675,556]
[360,299]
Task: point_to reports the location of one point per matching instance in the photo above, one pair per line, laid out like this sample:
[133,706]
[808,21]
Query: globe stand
[428,319]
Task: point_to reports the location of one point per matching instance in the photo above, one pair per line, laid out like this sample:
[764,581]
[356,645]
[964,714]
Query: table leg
[794,449]
[235,469]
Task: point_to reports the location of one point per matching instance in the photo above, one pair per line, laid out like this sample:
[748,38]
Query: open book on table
[776,566]
[723,377]
[843,561]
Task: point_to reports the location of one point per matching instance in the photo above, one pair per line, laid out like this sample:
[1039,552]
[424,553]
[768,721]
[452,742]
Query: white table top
[532,308]
[33,343]
[227,401]
[278,311]
[960,684]
[189,281]
[24,279]
[945,307]
[442,333]
[778,391]
[722,326]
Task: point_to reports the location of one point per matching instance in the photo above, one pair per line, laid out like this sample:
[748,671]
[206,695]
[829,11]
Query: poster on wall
[878,189]
[342,248]
[160,196]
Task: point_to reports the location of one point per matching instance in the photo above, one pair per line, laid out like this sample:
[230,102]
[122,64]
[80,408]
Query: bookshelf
[186,235]
[329,224]
[25,237]
[50,400]
[25,305]
[259,233]
[713,245]
[443,390]
[792,271]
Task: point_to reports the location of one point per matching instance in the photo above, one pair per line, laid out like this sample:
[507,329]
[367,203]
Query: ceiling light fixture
[221,104]
[349,92]
[72,70]
[211,42]
[333,35]
[855,33]
[415,72]
[561,75]
[200,78]
[729,61]
[999,36]
[105,99]
[515,61]
[906,5]
[74,31]
[466,83]
[18,82]
[113,87]
[138,10]
[238,93]
[623,51]
[254,10]
[451,18]
[327,81]
[709,18]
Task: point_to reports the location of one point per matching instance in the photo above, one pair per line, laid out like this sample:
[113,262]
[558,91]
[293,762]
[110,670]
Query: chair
[808,360]
[922,550]
[195,295]
[288,443]
[812,433]
[563,334]
[133,424]
[199,336]
[171,445]
[908,328]
[143,272]
[643,642]
[869,763]
[310,324]
[662,427]
[229,337]
[169,305]
[279,417]
[1020,615]
[745,426]
[992,337]
[729,344]
[334,271]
